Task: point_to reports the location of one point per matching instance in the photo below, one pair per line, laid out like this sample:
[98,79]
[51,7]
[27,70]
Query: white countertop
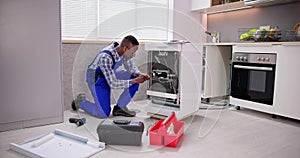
[251,43]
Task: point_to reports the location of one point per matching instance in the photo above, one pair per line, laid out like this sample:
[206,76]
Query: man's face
[130,51]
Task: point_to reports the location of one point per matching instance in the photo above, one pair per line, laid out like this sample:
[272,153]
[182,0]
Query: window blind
[113,19]
[78,17]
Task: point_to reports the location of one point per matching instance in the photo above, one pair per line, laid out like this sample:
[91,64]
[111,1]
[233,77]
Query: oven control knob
[267,59]
[258,58]
[237,57]
[262,59]
[245,58]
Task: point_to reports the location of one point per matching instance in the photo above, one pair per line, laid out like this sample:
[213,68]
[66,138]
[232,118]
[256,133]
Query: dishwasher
[175,84]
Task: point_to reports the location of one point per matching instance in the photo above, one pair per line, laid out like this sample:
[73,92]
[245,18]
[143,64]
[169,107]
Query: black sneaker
[75,103]
[123,112]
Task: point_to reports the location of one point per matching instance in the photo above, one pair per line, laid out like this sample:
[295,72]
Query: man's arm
[105,64]
[130,66]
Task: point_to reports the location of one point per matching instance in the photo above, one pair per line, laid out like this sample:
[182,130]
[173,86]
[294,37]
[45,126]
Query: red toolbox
[167,132]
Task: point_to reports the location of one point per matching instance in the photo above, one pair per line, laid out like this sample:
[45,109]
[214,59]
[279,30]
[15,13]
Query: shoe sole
[123,115]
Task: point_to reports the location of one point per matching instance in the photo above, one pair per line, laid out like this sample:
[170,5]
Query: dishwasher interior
[164,68]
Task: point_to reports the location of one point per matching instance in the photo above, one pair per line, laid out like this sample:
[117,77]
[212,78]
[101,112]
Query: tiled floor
[212,132]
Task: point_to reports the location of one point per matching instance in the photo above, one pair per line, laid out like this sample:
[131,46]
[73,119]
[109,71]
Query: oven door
[253,82]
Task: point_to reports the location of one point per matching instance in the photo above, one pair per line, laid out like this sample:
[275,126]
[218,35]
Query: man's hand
[145,76]
[139,79]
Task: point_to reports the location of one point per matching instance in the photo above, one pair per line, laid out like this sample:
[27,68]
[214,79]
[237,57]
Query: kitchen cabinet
[216,70]
[263,3]
[199,5]
[30,64]
[287,85]
[253,77]
[216,6]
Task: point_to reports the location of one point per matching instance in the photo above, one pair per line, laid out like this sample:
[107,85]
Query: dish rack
[291,35]
[248,34]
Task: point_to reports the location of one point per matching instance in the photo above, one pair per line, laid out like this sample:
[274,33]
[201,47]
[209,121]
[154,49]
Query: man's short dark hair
[130,39]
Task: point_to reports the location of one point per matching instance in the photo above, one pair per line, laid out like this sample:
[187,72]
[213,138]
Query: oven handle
[253,68]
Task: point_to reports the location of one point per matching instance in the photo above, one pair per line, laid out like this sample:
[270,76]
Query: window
[113,19]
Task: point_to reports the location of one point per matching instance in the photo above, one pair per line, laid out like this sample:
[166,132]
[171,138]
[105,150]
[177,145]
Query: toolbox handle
[123,122]
[168,118]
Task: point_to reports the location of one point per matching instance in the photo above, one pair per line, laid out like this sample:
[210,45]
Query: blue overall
[100,90]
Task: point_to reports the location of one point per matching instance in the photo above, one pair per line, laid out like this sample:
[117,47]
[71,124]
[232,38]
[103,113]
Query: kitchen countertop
[251,43]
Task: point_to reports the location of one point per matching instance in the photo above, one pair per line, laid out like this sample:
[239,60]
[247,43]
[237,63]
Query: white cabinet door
[30,63]
[216,71]
[287,85]
[200,4]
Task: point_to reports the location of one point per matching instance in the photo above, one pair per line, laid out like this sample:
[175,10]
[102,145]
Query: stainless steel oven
[253,77]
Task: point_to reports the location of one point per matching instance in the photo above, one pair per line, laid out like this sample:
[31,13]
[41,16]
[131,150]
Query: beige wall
[186,24]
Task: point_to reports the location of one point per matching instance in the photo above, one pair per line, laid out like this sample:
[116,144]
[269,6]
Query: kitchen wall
[285,16]
[186,25]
